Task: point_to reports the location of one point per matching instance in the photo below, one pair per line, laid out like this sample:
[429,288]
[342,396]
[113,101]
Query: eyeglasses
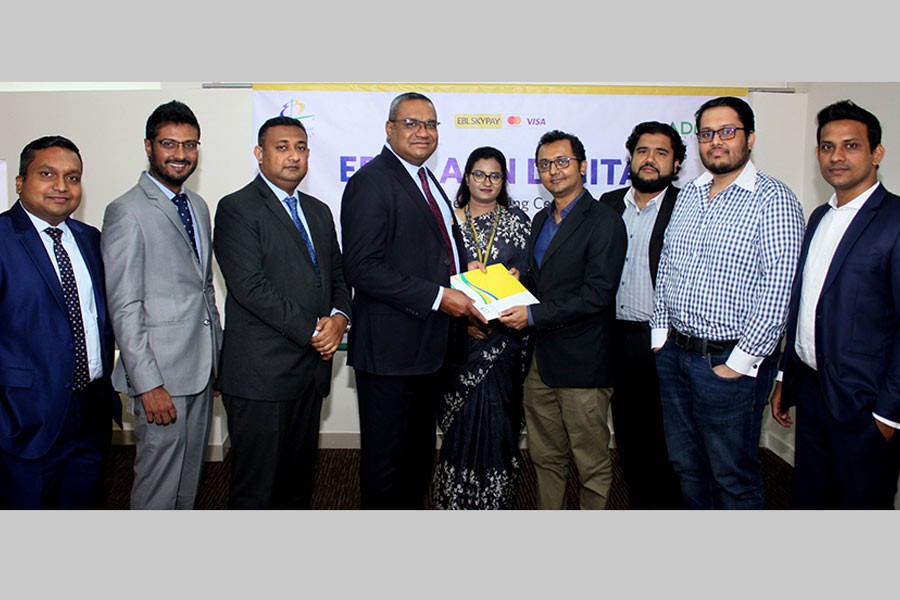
[479,177]
[412,124]
[561,163]
[726,133]
[169,144]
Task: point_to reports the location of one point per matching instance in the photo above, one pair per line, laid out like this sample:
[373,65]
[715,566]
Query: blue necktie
[184,212]
[73,308]
[295,217]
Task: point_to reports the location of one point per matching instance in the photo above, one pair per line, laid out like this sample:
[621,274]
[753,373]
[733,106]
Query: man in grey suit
[287,308]
[158,255]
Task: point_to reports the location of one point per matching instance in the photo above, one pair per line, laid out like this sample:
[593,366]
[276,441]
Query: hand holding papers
[494,291]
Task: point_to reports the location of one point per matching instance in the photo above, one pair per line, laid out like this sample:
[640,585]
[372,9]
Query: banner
[346,127]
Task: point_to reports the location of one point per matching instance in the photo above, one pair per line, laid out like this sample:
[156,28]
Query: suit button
[206,322]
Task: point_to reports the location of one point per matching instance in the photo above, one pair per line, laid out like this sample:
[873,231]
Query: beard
[651,186]
[733,162]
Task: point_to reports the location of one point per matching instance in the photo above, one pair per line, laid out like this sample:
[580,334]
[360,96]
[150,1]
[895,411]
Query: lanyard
[483,256]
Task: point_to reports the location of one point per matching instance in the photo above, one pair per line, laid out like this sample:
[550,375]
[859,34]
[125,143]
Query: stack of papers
[494,291]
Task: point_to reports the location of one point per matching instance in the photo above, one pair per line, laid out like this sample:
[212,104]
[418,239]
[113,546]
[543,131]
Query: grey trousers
[169,458]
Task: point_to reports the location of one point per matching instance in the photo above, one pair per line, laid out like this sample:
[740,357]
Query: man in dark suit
[56,344]
[401,245]
[576,251]
[841,366]
[655,152]
[286,311]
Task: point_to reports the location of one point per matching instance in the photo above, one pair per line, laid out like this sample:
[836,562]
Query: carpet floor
[337,482]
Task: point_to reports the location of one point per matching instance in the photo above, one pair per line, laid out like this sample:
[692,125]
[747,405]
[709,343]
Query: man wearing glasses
[576,252]
[401,245]
[158,257]
[722,293]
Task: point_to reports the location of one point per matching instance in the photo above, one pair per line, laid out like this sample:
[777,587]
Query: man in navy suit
[56,344]
[841,366]
[401,244]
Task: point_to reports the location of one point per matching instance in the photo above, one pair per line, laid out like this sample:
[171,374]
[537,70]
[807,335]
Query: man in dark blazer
[576,251]
[56,343]
[401,244]
[656,153]
[286,311]
[841,366]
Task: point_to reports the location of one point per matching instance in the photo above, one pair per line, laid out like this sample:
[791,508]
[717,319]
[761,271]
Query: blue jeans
[712,426]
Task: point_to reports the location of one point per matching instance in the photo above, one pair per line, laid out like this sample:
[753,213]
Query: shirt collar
[746,180]
[629,199]
[279,193]
[412,169]
[855,204]
[162,188]
[41,224]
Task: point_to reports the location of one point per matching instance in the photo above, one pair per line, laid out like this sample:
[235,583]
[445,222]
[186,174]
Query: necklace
[483,256]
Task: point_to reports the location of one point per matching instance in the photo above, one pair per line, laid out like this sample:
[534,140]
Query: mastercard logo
[514,120]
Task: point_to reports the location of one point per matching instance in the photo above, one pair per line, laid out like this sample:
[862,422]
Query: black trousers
[70,475]
[274,447]
[637,421]
[397,426]
[838,466]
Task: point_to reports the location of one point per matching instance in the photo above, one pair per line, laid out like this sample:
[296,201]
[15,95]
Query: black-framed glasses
[170,144]
[725,133]
[561,162]
[413,124]
[480,176]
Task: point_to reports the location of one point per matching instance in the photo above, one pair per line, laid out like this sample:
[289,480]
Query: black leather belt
[640,326]
[695,344]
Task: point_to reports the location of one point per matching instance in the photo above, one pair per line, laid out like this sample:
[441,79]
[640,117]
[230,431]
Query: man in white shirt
[841,367]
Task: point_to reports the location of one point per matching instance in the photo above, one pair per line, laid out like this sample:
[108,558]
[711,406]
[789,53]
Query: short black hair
[175,112]
[279,121]
[555,136]
[846,110]
[463,195]
[745,113]
[42,143]
[396,102]
[665,129]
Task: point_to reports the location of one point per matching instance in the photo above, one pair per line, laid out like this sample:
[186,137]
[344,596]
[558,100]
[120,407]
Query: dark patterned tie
[295,217]
[73,307]
[184,212]
[432,204]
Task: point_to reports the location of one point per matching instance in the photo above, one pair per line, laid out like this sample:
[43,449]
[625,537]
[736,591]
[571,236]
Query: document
[494,291]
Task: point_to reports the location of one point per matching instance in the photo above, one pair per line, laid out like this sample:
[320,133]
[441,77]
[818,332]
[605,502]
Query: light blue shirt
[634,298]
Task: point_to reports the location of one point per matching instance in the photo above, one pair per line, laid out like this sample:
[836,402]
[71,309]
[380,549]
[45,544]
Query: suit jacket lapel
[93,260]
[159,199]
[202,228]
[854,231]
[413,191]
[569,225]
[34,247]
[659,229]
[279,212]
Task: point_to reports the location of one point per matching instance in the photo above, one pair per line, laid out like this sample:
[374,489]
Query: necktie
[295,217]
[184,212]
[73,307]
[432,204]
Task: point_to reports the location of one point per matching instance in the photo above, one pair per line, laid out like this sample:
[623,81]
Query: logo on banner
[478,121]
[294,108]
[517,121]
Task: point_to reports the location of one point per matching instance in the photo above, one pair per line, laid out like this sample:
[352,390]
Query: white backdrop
[345,123]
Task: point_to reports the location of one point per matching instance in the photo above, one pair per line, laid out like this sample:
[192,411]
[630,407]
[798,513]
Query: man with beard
[722,294]
[158,256]
[656,153]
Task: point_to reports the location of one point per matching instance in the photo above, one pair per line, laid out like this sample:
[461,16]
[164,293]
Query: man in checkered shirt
[721,301]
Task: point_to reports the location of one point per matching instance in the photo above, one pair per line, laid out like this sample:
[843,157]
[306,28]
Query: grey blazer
[161,298]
